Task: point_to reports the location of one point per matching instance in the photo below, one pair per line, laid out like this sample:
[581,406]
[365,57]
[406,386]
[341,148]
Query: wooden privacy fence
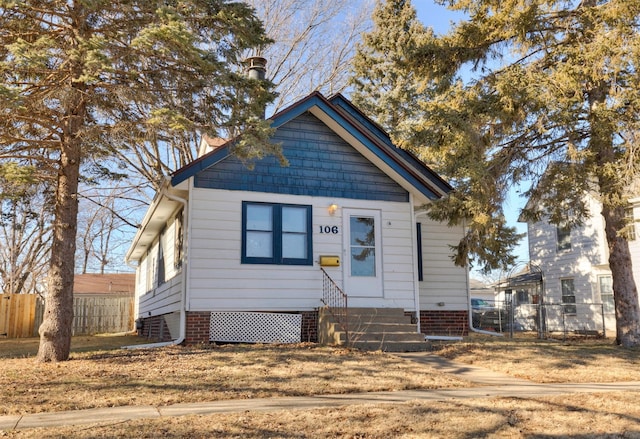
[102,314]
[21,314]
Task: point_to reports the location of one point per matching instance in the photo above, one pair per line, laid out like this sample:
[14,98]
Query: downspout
[185,264]
[416,280]
[183,296]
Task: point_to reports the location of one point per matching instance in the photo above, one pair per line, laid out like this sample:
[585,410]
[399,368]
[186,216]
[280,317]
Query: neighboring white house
[575,274]
[229,253]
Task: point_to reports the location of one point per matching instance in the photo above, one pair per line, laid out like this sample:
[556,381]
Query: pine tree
[520,87]
[383,87]
[387,86]
[81,81]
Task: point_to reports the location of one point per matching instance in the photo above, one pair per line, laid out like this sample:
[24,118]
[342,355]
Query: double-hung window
[631,224]
[606,294]
[563,235]
[276,234]
[568,296]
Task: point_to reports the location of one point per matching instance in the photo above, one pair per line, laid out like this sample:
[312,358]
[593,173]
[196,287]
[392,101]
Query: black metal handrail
[336,301]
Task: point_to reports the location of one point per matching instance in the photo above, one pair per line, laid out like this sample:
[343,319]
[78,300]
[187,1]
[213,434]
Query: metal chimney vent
[257,67]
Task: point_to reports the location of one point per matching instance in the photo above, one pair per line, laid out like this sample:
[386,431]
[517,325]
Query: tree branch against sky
[313,43]
[103,222]
[550,82]
[25,229]
[80,82]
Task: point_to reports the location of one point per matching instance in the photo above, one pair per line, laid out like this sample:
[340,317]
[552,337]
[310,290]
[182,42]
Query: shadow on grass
[28,347]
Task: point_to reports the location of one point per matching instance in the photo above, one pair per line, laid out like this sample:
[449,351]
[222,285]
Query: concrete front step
[376,311]
[402,333]
[374,327]
[378,337]
[341,337]
[357,316]
[387,329]
[363,320]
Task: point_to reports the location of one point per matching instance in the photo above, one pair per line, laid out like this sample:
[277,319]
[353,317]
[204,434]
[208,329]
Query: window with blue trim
[276,234]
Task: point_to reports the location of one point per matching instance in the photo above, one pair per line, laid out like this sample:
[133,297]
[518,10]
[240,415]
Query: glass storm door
[363,253]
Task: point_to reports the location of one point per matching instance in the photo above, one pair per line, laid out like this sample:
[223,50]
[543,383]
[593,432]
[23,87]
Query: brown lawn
[100,375]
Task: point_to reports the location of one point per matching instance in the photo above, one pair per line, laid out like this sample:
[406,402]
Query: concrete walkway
[489,384]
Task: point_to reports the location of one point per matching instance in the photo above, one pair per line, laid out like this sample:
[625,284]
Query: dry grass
[170,375]
[28,347]
[611,415]
[164,376]
[576,360]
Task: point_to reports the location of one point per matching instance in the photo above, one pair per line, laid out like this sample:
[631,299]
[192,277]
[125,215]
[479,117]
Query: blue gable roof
[321,164]
[357,125]
[354,112]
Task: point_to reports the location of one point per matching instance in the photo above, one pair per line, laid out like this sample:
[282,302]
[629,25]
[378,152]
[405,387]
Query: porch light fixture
[333,207]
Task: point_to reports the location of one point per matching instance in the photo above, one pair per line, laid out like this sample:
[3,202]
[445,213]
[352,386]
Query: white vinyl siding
[162,300]
[219,281]
[154,297]
[586,264]
[444,286]
[587,252]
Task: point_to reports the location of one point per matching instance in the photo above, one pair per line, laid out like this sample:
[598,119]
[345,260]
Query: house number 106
[329,229]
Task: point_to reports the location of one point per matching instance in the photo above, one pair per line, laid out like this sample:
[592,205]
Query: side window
[568,296]
[160,269]
[563,235]
[631,224]
[276,234]
[522,297]
[177,241]
[606,294]
[151,270]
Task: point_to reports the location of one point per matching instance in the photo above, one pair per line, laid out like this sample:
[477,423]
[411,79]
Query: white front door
[362,253]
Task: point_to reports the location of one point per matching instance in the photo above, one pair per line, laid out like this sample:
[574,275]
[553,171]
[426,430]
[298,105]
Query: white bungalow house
[573,273]
[227,253]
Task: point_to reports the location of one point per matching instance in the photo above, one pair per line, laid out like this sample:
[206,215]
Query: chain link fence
[546,319]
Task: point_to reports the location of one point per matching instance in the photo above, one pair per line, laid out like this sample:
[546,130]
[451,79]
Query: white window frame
[606,294]
[568,300]
[563,237]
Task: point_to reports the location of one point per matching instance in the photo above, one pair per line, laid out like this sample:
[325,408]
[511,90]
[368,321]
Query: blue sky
[440,19]
[435,16]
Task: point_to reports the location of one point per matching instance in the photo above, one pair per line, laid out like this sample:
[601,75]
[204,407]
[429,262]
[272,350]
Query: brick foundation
[198,327]
[450,323]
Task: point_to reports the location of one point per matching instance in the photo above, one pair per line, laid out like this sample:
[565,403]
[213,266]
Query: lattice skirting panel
[255,327]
